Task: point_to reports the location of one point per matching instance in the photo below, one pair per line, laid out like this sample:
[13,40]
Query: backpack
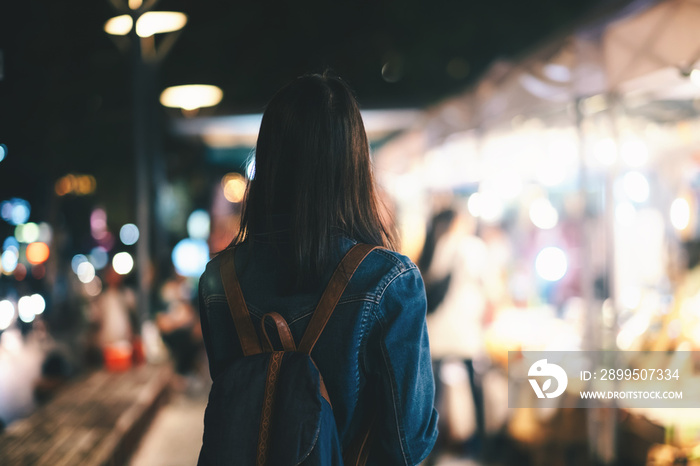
[271,408]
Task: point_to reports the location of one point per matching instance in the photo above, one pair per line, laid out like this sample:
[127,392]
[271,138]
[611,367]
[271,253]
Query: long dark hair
[312,163]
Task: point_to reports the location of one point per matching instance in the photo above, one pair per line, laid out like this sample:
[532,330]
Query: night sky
[65,95]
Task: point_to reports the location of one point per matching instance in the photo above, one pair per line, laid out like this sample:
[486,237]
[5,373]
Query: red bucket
[118,357]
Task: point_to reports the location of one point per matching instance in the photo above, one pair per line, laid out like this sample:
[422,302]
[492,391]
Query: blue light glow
[198,224]
[9,260]
[190,257]
[129,234]
[10,241]
[76,261]
[99,257]
[15,211]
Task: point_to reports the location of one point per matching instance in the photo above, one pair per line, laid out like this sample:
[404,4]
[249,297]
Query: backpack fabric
[271,407]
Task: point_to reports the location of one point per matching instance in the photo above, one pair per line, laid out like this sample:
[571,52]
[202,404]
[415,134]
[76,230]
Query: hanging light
[148,24]
[191,96]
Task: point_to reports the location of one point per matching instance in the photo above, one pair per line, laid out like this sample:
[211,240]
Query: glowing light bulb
[551,264]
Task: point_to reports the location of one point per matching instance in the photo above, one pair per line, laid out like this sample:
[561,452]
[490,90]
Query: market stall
[579,165]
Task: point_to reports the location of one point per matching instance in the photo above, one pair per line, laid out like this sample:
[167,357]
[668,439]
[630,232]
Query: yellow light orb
[119,25]
[234,186]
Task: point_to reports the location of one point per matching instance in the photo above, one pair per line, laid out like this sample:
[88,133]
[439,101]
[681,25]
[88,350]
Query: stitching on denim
[357,298]
[389,255]
[394,395]
[363,332]
[381,295]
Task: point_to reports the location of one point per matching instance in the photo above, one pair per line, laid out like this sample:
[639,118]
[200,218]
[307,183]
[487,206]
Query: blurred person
[452,262]
[58,366]
[114,317]
[179,325]
[312,198]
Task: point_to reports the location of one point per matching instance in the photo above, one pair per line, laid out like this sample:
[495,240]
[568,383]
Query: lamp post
[140,25]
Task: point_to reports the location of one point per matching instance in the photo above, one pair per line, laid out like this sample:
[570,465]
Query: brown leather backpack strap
[236,304]
[331,295]
[282,330]
[358,451]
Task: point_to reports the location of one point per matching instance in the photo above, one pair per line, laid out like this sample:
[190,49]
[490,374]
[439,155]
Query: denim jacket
[373,354]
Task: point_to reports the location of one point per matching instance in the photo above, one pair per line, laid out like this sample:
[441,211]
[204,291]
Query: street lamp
[191,97]
[148,24]
[145,57]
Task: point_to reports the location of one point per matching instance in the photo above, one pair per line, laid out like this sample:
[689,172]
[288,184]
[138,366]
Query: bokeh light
[15,211]
[474,205]
[45,233]
[98,223]
[86,272]
[9,259]
[30,306]
[3,152]
[129,234]
[636,186]
[630,297]
[159,22]
[551,264]
[543,214]
[19,233]
[37,253]
[190,257]
[119,25]
[76,261]
[489,207]
[191,97]
[198,224]
[94,288]
[392,70]
[24,309]
[39,304]
[80,185]
[27,233]
[695,77]
[122,263]
[20,272]
[10,241]
[7,314]
[680,214]
[99,257]
[234,186]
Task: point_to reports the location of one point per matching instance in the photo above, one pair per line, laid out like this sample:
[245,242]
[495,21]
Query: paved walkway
[175,435]
[96,419]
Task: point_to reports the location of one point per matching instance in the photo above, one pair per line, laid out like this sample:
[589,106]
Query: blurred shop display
[579,166]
